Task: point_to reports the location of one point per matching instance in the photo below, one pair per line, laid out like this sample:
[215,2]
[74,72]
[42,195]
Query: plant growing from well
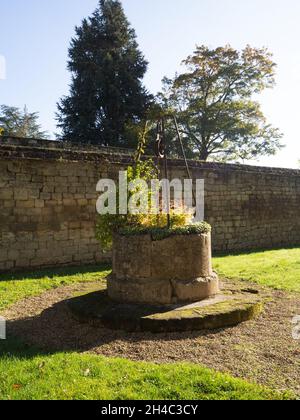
[161,223]
[141,222]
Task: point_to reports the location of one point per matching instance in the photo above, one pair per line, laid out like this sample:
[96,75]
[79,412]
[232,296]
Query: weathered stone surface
[224,311]
[182,257]
[140,290]
[175,269]
[51,186]
[134,261]
[198,289]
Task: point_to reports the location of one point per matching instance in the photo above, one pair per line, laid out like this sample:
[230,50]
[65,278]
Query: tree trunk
[204,155]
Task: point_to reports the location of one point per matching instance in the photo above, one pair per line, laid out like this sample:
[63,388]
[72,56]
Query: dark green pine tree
[107,96]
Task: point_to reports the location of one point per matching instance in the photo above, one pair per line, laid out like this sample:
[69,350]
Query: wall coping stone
[14,148]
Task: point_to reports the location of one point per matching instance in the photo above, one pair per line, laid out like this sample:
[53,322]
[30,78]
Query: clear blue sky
[35,34]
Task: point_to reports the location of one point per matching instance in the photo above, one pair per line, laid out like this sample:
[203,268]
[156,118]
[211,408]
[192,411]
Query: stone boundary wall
[48,196]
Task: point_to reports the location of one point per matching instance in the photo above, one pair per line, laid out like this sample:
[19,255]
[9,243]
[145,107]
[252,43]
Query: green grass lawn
[279,269]
[26,373]
[18,286]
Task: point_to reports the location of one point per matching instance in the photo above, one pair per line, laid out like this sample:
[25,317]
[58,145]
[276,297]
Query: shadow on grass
[53,272]
[55,331]
[15,348]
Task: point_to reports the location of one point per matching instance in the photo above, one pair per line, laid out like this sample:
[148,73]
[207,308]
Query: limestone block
[140,291]
[182,257]
[6,194]
[172,270]
[134,261]
[195,290]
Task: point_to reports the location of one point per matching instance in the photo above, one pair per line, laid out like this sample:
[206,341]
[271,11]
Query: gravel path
[262,350]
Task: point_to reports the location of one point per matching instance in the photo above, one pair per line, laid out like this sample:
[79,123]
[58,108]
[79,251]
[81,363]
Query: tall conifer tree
[107,95]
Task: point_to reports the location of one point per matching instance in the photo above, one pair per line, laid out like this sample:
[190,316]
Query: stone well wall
[48,196]
[176,269]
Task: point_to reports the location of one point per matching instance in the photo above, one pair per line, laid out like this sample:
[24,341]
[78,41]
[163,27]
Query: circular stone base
[222,311]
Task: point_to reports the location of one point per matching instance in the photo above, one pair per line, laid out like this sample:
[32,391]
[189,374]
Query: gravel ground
[261,350]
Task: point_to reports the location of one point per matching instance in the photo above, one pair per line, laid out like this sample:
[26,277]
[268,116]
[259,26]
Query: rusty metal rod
[184,157]
[166,172]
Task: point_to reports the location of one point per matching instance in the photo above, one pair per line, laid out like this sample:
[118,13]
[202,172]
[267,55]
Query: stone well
[174,270]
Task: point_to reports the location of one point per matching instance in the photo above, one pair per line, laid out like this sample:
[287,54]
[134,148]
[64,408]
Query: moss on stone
[214,310]
[158,233]
[97,307]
